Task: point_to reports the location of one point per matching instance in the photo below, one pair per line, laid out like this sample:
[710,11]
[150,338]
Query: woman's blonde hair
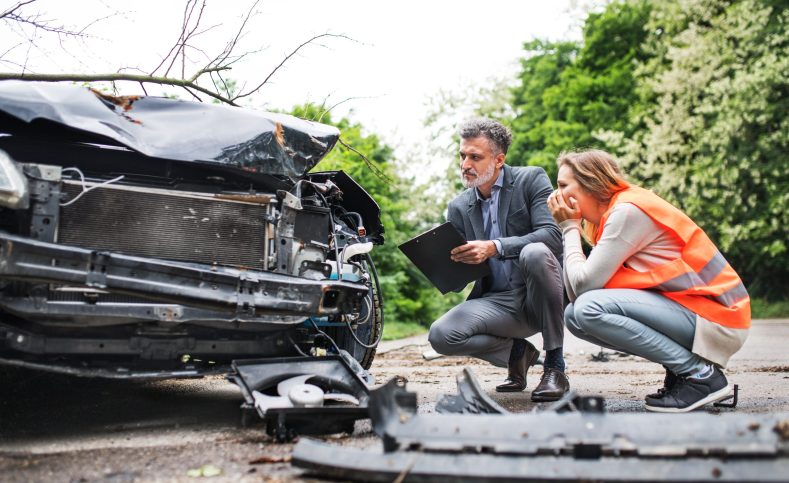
[598,173]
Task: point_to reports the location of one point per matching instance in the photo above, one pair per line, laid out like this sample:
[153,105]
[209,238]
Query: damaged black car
[153,237]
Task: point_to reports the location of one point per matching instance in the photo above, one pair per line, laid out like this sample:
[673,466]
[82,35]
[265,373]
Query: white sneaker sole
[714,397]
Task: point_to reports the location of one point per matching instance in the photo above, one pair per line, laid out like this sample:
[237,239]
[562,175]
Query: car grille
[164,224]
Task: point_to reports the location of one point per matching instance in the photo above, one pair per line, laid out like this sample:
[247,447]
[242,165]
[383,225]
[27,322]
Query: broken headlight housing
[14,192]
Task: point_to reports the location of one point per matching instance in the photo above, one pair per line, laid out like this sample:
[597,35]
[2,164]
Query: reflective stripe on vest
[700,280]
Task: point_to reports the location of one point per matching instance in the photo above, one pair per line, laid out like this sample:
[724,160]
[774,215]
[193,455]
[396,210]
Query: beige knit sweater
[632,238]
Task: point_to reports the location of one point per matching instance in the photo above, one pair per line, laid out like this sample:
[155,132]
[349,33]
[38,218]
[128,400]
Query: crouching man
[504,216]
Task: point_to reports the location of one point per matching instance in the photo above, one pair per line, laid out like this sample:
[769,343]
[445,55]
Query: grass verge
[399,330]
[762,309]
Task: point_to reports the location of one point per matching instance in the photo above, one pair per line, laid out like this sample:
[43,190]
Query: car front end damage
[149,237]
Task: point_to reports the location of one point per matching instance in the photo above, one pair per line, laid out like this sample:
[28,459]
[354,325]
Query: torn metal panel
[563,444]
[390,404]
[279,390]
[201,133]
[471,399]
[211,287]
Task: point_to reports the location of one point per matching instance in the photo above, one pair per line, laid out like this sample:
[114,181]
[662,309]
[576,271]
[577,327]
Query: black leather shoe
[552,386]
[522,356]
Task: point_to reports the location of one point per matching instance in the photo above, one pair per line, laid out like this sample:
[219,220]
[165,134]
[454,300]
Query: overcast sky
[402,52]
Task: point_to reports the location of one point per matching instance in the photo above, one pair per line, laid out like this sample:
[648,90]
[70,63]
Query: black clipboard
[430,253]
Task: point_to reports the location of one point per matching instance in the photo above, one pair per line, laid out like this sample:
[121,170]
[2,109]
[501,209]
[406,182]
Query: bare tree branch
[9,50]
[224,87]
[250,92]
[184,37]
[228,91]
[207,71]
[95,21]
[367,161]
[15,8]
[327,111]
[193,94]
[35,27]
[11,62]
[222,57]
[121,69]
[15,14]
[114,78]
[178,54]
[188,9]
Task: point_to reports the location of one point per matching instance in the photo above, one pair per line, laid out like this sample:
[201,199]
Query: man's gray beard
[480,179]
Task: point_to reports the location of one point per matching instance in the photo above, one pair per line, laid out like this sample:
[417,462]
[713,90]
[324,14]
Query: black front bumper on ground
[571,440]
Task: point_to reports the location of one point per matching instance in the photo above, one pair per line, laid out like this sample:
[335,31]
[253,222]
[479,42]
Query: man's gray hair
[499,135]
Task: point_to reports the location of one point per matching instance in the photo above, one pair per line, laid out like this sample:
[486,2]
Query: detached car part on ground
[151,237]
[572,440]
[298,396]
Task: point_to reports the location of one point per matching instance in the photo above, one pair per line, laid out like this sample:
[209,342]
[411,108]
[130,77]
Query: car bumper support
[210,287]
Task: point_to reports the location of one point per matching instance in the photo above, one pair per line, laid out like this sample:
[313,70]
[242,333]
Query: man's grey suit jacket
[523,204]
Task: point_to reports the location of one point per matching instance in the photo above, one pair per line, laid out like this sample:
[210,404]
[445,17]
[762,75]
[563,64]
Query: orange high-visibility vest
[701,280]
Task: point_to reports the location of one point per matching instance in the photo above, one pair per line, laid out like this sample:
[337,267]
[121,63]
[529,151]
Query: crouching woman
[654,285]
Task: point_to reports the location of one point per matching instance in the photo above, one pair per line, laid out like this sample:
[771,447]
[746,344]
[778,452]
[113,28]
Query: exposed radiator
[164,224]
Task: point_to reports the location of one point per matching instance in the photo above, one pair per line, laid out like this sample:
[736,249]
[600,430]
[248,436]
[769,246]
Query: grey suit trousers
[484,327]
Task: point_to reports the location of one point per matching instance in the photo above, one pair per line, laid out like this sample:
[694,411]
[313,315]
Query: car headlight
[14,192]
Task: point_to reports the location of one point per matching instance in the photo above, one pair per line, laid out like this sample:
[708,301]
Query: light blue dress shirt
[502,270]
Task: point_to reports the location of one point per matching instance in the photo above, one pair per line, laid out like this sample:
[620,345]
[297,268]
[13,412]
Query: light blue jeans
[639,322]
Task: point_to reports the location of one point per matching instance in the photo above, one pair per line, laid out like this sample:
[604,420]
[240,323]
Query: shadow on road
[34,404]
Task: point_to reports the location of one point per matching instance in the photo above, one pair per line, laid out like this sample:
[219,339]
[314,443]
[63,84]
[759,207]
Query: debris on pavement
[430,355]
[271,459]
[206,471]
[471,399]
[572,439]
[782,429]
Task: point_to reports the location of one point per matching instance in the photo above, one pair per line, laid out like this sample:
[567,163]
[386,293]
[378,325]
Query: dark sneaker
[690,393]
[668,383]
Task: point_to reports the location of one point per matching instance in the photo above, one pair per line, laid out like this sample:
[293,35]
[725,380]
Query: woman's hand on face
[561,210]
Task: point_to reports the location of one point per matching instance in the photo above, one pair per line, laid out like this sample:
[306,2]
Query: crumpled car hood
[250,140]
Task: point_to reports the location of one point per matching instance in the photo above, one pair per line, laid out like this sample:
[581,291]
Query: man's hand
[563,211]
[473,252]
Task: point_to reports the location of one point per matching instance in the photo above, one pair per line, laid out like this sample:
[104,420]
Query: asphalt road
[59,428]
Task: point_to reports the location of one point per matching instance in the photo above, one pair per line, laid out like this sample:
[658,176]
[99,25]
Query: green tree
[535,130]
[568,92]
[713,132]
[692,95]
